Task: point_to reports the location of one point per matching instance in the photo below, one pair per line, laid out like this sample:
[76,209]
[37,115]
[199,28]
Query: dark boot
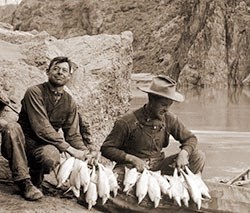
[37,177]
[29,191]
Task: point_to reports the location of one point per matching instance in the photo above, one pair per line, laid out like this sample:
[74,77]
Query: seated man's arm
[112,147]
[180,133]
[187,139]
[71,129]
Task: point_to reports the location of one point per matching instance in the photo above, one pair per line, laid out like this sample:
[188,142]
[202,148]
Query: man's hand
[137,162]
[182,159]
[80,154]
[93,157]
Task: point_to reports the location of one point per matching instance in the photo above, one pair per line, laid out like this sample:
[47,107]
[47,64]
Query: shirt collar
[56,91]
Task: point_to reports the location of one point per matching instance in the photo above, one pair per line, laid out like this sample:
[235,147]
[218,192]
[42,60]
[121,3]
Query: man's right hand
[80,154]
[137,162]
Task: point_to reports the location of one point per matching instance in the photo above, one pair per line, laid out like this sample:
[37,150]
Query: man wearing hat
[137,138]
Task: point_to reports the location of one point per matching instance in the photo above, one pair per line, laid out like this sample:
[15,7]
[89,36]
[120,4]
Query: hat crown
[164,86]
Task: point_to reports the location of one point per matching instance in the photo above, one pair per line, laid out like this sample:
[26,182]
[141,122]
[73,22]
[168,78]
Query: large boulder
[101,79]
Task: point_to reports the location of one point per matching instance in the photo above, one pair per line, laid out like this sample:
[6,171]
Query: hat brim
[175,97]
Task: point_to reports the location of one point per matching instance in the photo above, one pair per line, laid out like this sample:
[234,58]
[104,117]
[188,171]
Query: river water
[209,109]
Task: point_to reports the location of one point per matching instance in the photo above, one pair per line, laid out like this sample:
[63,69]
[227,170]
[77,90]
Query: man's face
[160,106]
[59,74]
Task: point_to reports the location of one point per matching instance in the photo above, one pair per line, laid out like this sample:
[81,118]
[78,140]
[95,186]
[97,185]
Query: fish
[142,185]
[169,192]
[91,194]
[84,175]
[163,183]
[185,196]
[103,184]
[74,179]
[112,177]
[154,190]
[130,178]
[64,171]
[203,186]
[193,188]
[177,187]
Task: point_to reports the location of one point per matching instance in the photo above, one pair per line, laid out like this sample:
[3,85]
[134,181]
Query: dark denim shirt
[136,134]
[41,117]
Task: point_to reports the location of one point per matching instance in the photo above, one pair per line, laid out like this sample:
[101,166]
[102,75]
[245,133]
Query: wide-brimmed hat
[163,86]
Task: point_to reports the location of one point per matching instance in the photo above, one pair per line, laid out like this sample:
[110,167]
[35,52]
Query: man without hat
[33,144]
[137,139]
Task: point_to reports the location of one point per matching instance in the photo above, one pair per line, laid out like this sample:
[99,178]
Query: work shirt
[137,134]
[42,115]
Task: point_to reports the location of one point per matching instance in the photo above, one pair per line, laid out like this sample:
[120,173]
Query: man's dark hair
[60,59]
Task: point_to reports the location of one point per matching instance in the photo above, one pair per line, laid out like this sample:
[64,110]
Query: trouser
[166,164]
[41,159]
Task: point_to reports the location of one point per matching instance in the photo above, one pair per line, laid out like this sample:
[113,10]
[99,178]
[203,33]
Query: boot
[37,177]
[29,191]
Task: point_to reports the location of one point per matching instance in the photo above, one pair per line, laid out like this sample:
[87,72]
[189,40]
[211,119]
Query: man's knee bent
[197,161]
[12,139]
[49,157]
[199,155]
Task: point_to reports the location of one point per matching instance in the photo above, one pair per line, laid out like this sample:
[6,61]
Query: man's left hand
[182,159]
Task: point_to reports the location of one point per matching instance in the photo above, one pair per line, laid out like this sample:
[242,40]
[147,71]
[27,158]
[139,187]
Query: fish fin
[70,188]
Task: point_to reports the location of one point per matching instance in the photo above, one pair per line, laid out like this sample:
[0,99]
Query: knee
[50,156]
[200,156]
[197,161]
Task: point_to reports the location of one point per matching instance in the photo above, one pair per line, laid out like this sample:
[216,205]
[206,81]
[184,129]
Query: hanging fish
[91,194]
[193,188]
[163,183]
[176,187]
[103,184]
[130,178]
[64,171]
[202,185]
[142,185]
[154,190]
[169,191]
[84,175]
[74,179]
[185,196]
[112,177]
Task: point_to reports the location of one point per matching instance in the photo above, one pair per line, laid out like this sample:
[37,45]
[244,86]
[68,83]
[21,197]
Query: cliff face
[101,79]
[200,42]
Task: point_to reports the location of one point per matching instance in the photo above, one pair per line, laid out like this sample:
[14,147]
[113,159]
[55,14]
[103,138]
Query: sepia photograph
[124,106]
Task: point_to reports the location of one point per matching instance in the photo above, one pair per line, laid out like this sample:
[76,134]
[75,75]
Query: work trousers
[23,160]
[166,164]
